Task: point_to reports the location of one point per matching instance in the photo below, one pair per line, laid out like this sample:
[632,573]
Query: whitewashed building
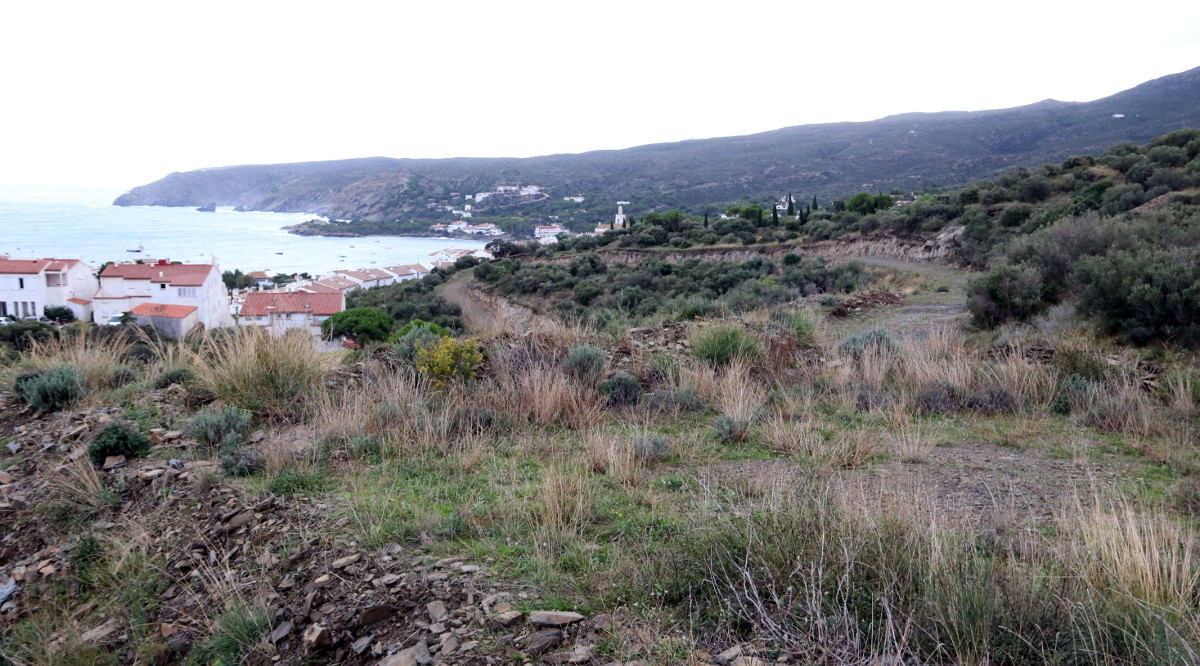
[279,312]
[27,286]
[125,286]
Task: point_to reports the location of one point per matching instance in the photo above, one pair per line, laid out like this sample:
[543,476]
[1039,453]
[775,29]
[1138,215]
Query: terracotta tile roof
[160,310]
[257,304]
[61,264]
[361,276]
[338,282]
[78,301]
[407,269]
[180,275]
[23,266]
[259,275]
[311,287]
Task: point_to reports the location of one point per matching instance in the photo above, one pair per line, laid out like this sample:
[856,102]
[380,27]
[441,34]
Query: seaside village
[177,298]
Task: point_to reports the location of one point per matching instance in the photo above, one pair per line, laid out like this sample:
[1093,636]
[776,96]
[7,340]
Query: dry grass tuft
[98,362]
[276,377]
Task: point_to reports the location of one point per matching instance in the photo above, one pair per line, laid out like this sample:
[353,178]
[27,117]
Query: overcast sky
[117,94]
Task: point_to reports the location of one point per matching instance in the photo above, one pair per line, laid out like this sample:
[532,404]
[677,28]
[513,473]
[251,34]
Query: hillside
[908,152]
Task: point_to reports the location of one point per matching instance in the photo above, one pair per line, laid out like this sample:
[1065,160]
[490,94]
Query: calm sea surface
[43,222]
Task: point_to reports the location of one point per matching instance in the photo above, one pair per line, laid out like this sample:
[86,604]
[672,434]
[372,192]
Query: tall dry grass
[276,377]
[99,362]
[532,386]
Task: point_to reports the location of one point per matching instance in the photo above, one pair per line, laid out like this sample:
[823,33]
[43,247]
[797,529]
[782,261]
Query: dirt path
[475,312]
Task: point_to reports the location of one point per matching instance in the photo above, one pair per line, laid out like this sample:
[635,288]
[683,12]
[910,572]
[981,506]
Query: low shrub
[874,340]
[1075,393]
[221,427]
[804,327]
[1006,293]
[731,430]
[363,324]
[585,363]
[49,391]
[939,398]
[450,360]
[678,400]
[406,346]
[622,389]
[651,448]
[724,343]
[118,439]
[242,461]
[992,400]
[174,375]
[868,400]
[439,331]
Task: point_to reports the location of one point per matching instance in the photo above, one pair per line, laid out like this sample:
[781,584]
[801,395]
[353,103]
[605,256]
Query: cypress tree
[791,205]
[706,219]
[774,215]
[814,203]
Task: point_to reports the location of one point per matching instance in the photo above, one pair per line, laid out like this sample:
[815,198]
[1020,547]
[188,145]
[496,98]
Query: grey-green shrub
[221,427]
[622,389]
[585,363]
[731,430]
[873,340]
[51,390]
[405,347]
[118,439]
[651,448]
[174,375]
[724,343]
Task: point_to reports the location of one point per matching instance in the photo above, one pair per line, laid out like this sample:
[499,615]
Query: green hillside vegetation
[909,152]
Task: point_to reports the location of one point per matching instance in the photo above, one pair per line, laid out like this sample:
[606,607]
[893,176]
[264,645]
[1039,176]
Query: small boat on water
[139,248]
[278,253]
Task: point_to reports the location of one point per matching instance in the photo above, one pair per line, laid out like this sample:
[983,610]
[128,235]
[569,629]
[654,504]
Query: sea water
[83,224]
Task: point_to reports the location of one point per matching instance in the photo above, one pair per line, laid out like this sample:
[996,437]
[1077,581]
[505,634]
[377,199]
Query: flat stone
[748,661]
[543,641]
[113,462]
[316,635]
[346,561]
[360,646]
[373,615]
[729,655]
[417,655]
[5,478]
[554,618]
[437,610]
[322,581]
[101,634]
[509,618]
[281,632]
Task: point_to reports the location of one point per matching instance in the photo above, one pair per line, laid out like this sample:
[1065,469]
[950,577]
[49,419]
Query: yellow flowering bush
[449,360]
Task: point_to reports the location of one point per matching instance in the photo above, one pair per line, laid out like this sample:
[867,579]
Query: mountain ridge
[908,151]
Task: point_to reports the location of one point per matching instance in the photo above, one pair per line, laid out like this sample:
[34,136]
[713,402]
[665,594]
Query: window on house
[187,292]
[20,283]
[162,285]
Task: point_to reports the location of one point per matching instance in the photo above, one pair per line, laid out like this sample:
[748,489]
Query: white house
[367,278]
[172,321]
[125,286]
[530,190]
[281,312]
[407,272]
[261,279]
[487,229]
[577,198]
[27,286]
[547,231]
